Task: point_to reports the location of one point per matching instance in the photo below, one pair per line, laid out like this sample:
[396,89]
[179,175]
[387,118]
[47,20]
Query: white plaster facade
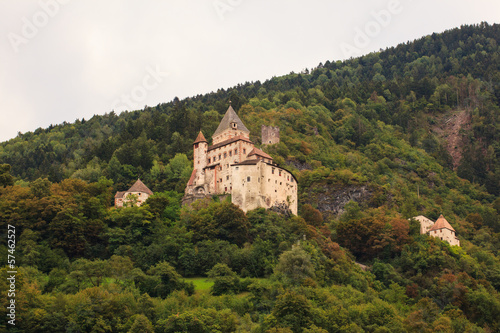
[425,224]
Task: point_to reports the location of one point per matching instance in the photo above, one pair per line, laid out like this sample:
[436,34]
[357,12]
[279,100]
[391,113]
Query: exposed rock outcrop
[331,199]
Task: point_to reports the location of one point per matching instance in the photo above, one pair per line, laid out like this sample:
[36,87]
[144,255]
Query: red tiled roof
[120,194]
[258,152]
[441,223]
[140,187]
[200,138]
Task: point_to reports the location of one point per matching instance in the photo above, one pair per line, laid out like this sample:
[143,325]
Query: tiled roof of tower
[441,223]
[200,138]
[140,187]
[120,194]
[258,152]
[230,117]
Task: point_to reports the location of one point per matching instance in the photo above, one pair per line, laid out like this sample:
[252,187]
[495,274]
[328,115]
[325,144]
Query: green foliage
[6,178]
[224,221]
[292,310]
[225,280]
[295,266]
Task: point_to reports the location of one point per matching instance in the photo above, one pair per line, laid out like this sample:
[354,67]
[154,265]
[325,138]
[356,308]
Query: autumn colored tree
[311,215]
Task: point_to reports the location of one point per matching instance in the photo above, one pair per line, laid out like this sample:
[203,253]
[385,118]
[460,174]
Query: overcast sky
[62,60]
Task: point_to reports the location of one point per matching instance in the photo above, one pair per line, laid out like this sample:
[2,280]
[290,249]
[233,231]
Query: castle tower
[200,146]
[270,135]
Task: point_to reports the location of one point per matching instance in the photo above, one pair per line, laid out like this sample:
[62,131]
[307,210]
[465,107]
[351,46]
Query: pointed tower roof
[230,117]
[200,138]
[441,223]
[140,187]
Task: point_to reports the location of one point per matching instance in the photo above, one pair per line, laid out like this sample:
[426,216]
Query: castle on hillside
[440,229]
[137,193]
[232,165]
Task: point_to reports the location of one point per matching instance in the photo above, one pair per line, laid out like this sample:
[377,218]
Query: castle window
[248,179]
[273,171]
[230,153]
[244,151]
[209,161]
[225,189]
[227,177]
[236,151]
[225,154]
[195,145]
[280,183]
[219,157]
[280,173]
[237,168]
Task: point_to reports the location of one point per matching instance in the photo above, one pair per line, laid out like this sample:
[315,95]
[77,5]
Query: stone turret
[196,184]
[200,146]
[270,135]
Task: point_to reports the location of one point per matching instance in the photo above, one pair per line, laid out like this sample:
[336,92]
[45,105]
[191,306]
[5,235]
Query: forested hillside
[373,141]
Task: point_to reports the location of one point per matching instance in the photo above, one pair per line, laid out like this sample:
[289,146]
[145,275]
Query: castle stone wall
[270,135]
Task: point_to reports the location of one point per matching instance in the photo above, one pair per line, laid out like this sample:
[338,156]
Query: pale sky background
[67,60]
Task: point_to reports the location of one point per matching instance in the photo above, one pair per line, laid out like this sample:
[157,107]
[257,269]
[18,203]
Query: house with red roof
[137,193]
[441,229]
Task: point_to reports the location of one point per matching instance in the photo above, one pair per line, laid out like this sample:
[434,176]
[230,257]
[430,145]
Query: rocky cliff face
[331,199]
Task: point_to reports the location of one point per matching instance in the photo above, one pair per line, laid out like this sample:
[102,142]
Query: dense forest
[373,141]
